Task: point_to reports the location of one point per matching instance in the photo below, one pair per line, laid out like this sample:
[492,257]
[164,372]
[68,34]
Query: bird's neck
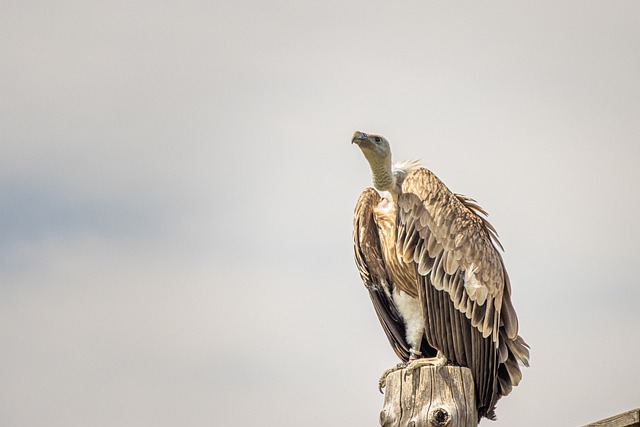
[382,175]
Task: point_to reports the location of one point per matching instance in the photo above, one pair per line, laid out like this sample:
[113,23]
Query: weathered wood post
[430,397]
[627,419]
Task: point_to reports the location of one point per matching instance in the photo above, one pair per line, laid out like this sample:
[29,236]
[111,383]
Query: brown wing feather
[463,284]
[373,271]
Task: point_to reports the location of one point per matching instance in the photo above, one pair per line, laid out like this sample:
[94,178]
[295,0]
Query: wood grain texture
[627,419]
[430,397]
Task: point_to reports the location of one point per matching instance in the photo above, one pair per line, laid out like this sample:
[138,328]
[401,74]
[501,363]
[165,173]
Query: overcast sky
[177,189]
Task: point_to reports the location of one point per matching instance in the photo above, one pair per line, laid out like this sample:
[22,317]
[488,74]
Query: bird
[429,259]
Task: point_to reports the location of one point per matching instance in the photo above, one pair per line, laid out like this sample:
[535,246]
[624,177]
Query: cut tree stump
[430,397]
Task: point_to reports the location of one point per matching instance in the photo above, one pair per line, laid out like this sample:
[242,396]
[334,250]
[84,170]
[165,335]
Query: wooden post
[430,397]
[627,419]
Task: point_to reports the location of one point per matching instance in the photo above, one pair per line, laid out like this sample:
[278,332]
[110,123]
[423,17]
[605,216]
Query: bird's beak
[358,137]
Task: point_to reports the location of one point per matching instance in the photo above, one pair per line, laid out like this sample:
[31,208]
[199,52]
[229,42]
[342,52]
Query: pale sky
[177,191]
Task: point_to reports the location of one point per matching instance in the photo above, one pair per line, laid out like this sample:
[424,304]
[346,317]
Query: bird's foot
[382,382]
[439,361]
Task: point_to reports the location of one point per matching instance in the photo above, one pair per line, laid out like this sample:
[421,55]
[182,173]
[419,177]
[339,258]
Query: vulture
[429,259]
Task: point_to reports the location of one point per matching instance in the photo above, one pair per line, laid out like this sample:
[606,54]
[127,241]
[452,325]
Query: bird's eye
[377,139]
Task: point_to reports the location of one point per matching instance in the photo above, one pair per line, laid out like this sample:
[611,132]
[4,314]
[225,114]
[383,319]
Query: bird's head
[377,151]
[374,147]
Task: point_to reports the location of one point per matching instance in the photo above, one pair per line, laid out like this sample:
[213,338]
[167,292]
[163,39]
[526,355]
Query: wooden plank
[430,397]
[627,419]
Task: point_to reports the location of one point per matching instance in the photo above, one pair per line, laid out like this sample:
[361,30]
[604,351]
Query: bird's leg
[414,356]
[439,361]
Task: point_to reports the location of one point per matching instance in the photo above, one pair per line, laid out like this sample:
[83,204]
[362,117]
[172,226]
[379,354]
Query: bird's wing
[452,245]
[463,282]
[371,265]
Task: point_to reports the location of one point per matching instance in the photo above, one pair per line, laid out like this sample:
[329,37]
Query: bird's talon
[382,382]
